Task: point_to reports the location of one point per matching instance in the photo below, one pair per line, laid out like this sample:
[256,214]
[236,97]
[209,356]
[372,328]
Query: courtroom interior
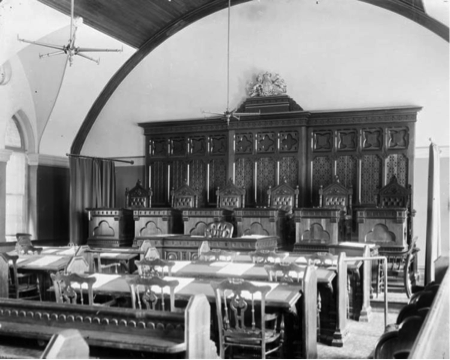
[224,178]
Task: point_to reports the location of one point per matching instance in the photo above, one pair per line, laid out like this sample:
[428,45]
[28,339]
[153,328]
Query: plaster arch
[397,6]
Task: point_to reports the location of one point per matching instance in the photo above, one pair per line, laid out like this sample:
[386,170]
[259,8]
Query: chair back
[336,196]
[219,229]
[152,253]
[323,259]
[267,256]
[138,197]
[69,288]
[24,245]
[143,292]
[281,272]
[154,267]
[184,197]
[240,320]
[283,197]
[394,195]
[230,197]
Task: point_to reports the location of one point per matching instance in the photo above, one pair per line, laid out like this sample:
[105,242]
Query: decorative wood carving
[197,145]
[347,140]
[266,142]
[398,138]
[372,139]
[289,141]
[370,178]
[218,144]
[323,140]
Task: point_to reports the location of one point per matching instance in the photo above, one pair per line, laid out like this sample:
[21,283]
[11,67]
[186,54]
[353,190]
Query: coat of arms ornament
[267,85]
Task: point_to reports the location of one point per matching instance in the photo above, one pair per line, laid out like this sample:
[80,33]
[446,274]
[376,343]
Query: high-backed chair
[219,229]
[153,300]
[394,195]
[184,197]
[337,196]
[78,265]
[24,245]
[154,267]
[70,288]
[138,196]
[20,285]
[230,197]
[243,323]
[283,197]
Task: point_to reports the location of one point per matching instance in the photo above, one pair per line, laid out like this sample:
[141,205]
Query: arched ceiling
[146,24]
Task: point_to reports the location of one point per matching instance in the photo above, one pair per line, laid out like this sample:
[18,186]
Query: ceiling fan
[228,114]
[70,49]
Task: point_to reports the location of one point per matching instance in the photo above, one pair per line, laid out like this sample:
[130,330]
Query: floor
[363,336]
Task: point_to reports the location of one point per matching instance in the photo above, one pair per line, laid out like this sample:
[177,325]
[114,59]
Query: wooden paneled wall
[363,147]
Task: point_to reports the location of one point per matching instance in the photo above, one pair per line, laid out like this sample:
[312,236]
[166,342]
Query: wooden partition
[363,147]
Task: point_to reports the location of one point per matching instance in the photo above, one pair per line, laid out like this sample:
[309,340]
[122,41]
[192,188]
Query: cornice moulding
[48,160]
[5,155]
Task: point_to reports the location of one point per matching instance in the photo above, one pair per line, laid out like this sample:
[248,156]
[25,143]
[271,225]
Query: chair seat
[250,336]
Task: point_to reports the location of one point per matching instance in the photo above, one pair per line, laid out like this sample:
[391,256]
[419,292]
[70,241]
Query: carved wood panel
[321,175]
[178,146]
[346,169]
[218,144]
[197,145]
[244,178]
[397,164]
[197,179]
[289,141]
[370,178]
[347,140]
[398,138]
[159,182]
[243,143]
[289,170]
[265,177]
[322,140]
[217,177]
[372,139]
[266,142]
[158,147]
[178,173]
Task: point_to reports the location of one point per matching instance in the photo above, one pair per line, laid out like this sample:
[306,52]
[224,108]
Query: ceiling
[136,22]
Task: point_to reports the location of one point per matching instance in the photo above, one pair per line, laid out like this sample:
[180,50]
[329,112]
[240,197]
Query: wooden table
[185,247]
[123,256]
[282,296]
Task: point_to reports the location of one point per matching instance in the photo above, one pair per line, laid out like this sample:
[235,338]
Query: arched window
[16,181]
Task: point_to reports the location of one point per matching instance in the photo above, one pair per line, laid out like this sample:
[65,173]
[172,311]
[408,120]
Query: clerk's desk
[185,247]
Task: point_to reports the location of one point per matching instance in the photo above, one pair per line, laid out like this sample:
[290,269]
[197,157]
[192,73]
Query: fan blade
[212,113]
[52,54]
[80,49]
[89,58]
[247,114]
[51,46]
[71,20]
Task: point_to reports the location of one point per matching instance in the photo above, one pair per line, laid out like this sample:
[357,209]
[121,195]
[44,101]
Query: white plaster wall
[333,55]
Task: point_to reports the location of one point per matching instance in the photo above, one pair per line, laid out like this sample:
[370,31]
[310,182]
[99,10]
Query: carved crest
[267,85]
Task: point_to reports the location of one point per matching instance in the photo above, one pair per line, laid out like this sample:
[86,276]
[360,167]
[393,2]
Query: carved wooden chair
[71,288]
[243,323]
[24,245]
[217,255]
[230,197]
[103,267]
[337,196]
[267,256]
[78,265]
[219,229]
[184,197]
[283,197]
[400,263]
[142,292]
[394,195]
[154,267]
[138,197]
[323,259]
[282,272]
[24,286]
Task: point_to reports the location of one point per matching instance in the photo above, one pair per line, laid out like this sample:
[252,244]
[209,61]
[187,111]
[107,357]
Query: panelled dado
[364,148]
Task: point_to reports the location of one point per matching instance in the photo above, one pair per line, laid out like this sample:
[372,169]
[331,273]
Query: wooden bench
[159,332]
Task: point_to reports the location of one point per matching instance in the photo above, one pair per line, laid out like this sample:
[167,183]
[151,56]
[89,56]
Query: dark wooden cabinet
[110,227]
[363,147]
